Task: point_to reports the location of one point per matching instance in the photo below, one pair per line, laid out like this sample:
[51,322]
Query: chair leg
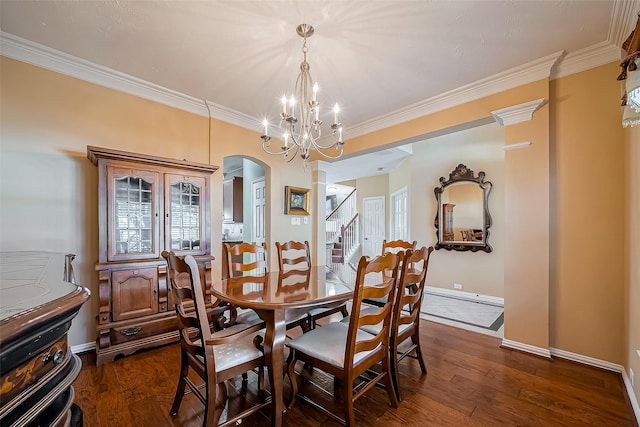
[344,311]
[245,382]
[416,341]
[389,383]
[182,384]
[261,379]
[291,362]
[211,416]
[347,401]
[393,356]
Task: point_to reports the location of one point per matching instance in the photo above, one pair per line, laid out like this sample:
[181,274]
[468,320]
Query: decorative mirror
[463,220]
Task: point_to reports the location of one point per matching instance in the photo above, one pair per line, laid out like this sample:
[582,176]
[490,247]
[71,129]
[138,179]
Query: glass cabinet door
[133,214]
[185,225]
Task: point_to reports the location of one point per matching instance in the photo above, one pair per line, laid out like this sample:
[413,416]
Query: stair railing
[341,215]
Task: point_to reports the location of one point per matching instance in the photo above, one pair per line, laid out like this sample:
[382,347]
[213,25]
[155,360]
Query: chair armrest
[222,338]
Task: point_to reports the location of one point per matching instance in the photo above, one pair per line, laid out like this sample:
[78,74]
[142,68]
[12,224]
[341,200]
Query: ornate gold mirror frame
[462,221]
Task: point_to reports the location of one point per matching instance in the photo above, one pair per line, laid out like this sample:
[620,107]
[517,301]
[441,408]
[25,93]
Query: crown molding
[514,77]
[517,113]
[234,117]
[585,59]
[623,19]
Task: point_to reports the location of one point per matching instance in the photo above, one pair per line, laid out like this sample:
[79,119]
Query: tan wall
[587,315]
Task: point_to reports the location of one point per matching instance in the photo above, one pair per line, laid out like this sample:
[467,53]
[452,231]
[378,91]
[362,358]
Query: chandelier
[300,117]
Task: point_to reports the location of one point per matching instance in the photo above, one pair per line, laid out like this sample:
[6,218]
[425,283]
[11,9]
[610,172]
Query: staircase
[343,238]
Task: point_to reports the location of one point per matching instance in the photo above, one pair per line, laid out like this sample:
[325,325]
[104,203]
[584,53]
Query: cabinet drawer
[143,329]
[24,376]
[134,293]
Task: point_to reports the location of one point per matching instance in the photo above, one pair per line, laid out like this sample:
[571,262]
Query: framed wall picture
[296,201]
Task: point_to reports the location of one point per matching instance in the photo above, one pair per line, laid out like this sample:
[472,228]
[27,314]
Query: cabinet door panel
[134,293]
[186,227]
[133,214]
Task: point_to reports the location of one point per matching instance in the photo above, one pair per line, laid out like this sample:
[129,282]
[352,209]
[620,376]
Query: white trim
[469,296]
[42,56]
[82,348]
[516,146]
[586,360]
[538,351]
[632,395]
[517,113]
[586,59]
[623,20]
[513,77]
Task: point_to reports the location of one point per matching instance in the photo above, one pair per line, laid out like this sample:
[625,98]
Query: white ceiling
[375,58]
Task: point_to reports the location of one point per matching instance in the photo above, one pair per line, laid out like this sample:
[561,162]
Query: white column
[318,226]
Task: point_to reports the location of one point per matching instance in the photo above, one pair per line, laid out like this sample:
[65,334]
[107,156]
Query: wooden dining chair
[250,259]
[396,246]
[344,350]
[293,256]
[247,259]
[221,316]
[406,312]
[216,357]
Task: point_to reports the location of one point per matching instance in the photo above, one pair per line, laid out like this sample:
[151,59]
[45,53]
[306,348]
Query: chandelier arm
[328,156]
[282,150]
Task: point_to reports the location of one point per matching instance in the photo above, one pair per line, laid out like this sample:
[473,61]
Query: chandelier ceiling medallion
[300,117]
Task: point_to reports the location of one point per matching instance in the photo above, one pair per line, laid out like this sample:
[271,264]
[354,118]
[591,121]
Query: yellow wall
[588,215]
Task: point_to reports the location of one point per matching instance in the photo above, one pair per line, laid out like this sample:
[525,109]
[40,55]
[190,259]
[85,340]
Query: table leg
[274,340]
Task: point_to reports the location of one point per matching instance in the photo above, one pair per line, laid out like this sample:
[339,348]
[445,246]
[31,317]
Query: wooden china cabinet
[146,204]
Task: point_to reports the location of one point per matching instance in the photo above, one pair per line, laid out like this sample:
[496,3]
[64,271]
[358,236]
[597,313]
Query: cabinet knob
[57,357]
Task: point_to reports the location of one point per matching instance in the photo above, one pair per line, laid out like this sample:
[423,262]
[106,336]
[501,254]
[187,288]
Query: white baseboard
[586,360]
[632,395]
[527,348]
[82,348]
[469,296]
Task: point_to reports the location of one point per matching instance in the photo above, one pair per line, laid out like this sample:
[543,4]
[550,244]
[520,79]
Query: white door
[373,228]
[258,199]
[399,220]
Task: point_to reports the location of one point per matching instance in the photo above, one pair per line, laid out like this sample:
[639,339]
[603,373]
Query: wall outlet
[295,220]
[457,286]
[631,375]
[305,220]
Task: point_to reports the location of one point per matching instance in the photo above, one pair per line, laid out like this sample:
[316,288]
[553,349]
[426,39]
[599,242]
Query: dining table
[277,297]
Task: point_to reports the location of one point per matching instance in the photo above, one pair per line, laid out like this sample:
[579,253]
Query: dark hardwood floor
[471,382]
